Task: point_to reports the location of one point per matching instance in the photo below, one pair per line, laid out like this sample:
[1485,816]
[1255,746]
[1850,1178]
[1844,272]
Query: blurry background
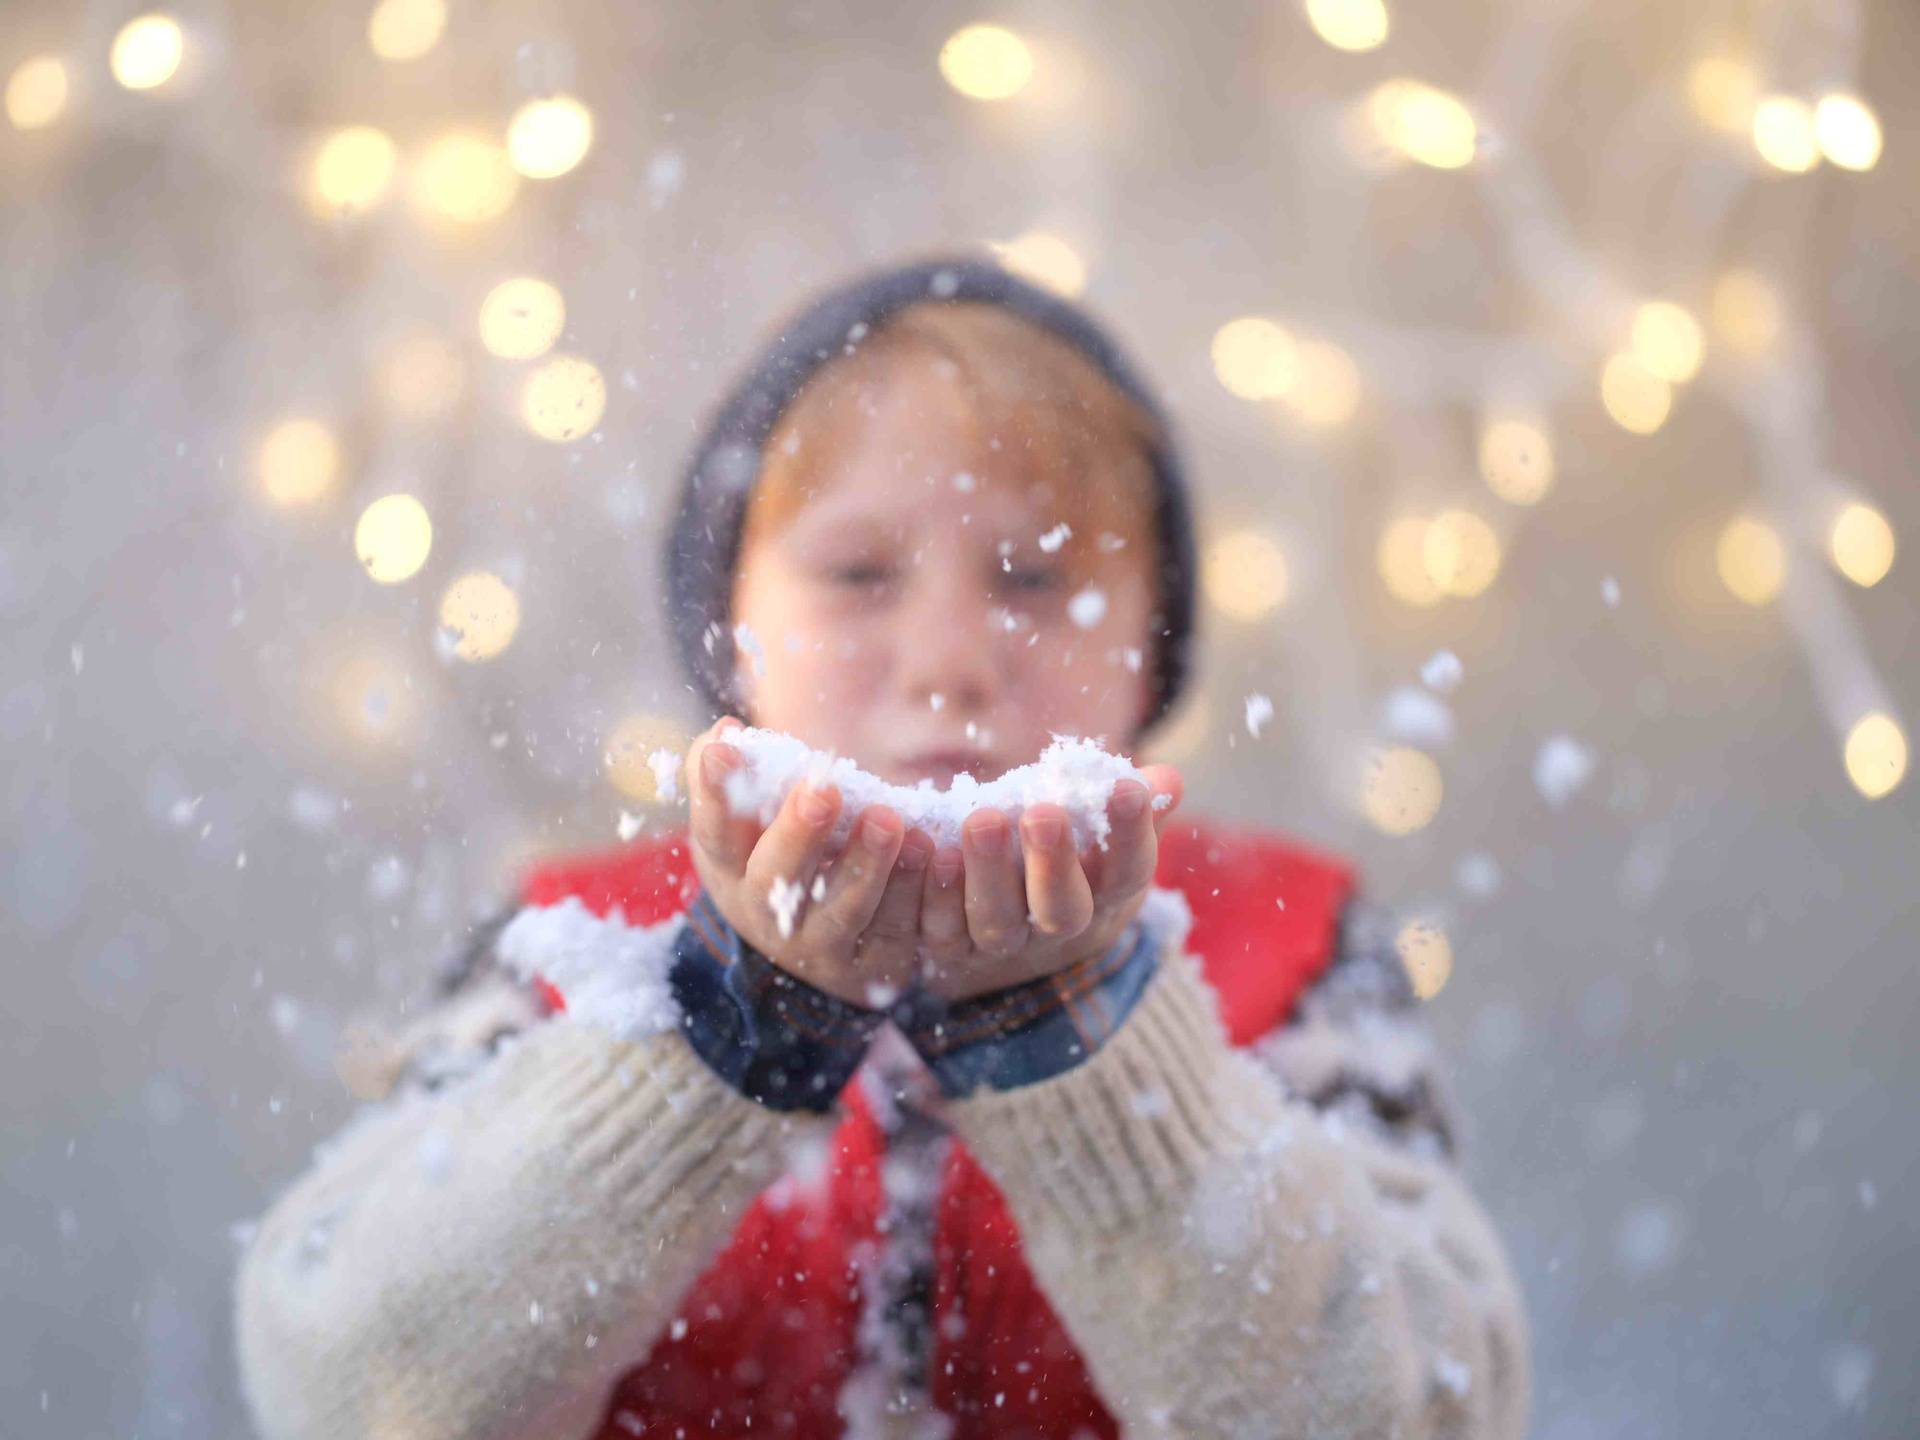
[347,355]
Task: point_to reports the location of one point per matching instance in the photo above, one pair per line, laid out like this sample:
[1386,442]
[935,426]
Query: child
[1117,1165]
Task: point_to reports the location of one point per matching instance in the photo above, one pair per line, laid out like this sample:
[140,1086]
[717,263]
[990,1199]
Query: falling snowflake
[1056,537]
[1561,768]
[1442,672]
[1259,712]
[784,899]
[1087,608]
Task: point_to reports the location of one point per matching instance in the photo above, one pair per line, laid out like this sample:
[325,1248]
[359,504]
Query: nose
[947,645]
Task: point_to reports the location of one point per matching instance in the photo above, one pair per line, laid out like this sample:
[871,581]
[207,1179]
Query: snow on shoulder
[1072,773]
[612,975]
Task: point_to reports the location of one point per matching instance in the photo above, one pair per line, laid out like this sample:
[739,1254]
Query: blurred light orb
[1861,544]
[1746,312]
[1876,755]
[392,538]
[522,318]
[629,744]
[423,375]
[37,93]
[1423,123]
[1045,259]
[1783,134]
[482,613]
[1325,393]
[1751,559]
[464,178]
[147,51]
[1255,359]
[1516,460]
[549,137]
[1460,552]
[1667,340]
[1848,132]
[986,62]
[564,399]
[1426,954]
[1349,24]
[1245,575]
[1402,562]
[1723,92]
[353,170]
[1636,398]
[299,462]
[1400,790]
[406,29]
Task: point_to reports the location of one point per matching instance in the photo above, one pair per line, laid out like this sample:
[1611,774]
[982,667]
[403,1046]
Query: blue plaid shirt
[780,1041]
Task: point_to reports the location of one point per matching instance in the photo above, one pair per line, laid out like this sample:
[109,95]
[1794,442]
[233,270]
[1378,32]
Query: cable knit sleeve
[482,1253]
[1237,1252]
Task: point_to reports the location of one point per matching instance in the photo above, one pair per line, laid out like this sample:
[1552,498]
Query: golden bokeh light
[630,744]
[1045,259]
[1349,24]
[1461,553]
[1746,312]
[1244,573]
[37,93]
[1861,544]
[465,179]
[1400,790]
[986,62]
[1723,92]
[393,538]
[1326,389]
[1255,359]
[1516,460]
[406,29]
[1751,559]
[1876,755]
[1847,132]
[147,51]
[549,137]
[1402,562]
[423,375]
[1667,341]
[1636,398]
[299,462]
[1423,123]
[482,613]
[564,399]
[1426,954]
[522,318]
[1783,134]
[352,170]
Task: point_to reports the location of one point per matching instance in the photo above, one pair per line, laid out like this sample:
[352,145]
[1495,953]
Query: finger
[1126,866]
[887,945]
[857,881]
[943,906]
[996,899]
[792,849]
[1164,780]
[1058,896]
[728,839]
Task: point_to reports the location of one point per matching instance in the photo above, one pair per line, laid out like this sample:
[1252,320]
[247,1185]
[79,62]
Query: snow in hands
[1073,773]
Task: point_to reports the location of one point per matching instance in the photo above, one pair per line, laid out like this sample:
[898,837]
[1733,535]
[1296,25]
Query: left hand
[987,922]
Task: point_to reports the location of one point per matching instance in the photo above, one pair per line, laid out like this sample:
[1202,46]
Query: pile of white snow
[612,975]
[1072,773]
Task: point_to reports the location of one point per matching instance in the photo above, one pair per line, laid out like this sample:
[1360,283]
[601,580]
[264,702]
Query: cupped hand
[990,918]
[847,922]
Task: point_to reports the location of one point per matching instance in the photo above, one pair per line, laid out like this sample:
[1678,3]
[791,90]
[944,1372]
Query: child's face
[917,626]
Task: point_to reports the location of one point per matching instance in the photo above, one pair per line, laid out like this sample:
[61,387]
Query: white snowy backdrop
[1577,340]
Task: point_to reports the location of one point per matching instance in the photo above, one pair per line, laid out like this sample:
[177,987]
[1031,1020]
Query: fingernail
[1130,802]
[815,808]
[915,851]
[1046,830]
[989,839]
[875,836]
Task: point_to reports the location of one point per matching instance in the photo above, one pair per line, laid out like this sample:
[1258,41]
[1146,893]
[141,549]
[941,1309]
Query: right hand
[856,941]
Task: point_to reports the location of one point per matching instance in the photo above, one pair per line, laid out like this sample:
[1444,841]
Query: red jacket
[769,1337]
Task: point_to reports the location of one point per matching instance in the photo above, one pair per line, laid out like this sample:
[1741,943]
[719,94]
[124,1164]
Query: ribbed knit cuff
[1127,1134]
[772,1037]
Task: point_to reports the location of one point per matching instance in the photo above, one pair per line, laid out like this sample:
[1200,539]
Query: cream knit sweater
[487,1258]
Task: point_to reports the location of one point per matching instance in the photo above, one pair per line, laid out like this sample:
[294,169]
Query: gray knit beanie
[704,543]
